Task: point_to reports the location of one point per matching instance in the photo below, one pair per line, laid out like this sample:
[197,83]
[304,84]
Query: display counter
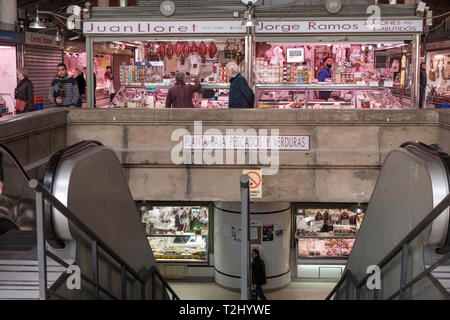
[324,237]
[178,234]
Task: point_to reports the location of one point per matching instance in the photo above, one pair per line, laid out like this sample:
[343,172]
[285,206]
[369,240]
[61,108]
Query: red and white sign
[235,27]
[255,183]
[242,142]
[39,39]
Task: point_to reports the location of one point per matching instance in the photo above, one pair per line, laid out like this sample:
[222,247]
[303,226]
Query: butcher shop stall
[163,48]
[283,60]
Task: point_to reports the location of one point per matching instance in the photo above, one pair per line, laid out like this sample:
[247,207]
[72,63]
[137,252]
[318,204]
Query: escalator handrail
[445,160]
[4,149]
[48,182]
[421,226]
[48,196]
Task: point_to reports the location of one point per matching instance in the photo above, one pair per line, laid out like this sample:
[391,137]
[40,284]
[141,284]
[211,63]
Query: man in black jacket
[241,95]
[258,274]
[423,83]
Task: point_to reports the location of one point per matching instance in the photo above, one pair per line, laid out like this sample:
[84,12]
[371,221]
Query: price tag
[373,83]
[389,84]
[360,83]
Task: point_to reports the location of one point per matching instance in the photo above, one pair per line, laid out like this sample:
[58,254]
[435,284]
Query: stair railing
[43,195]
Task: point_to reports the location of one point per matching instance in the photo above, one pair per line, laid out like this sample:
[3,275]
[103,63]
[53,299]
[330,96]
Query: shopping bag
[20,105]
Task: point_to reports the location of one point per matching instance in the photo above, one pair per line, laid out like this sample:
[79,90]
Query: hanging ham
[169,50]
[179,49]
[212,50]
[186,49]
[162,51]
[194,48]
[202,50]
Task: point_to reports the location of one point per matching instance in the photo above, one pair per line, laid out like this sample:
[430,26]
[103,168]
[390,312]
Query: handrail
[421,226]
[38,188]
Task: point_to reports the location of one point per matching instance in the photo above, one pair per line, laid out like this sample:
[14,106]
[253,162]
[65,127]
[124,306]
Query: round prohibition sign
[255,179]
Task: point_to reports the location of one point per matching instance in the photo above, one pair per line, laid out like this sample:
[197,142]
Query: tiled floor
[211,291]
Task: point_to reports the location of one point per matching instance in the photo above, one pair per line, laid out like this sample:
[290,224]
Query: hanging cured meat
[194,48]
[162,51]
[186,49]
[212,50]
[169,50]
[179,49]
[202,50]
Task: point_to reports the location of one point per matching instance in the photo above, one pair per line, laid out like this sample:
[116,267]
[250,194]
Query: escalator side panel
[92,185]
[405,192]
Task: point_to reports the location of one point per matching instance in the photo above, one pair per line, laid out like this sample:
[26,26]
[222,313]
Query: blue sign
[9,37]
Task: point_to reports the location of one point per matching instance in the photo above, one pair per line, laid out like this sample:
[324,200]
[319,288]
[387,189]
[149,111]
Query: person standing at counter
[423,83]
[180,96]
[24,92]
[109,80]
[79,76]
[325,73]
[241,95]
[95,83]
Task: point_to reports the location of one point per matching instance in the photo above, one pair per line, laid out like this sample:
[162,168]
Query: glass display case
[326,233]
[179,247]
[353,80]
[178,233]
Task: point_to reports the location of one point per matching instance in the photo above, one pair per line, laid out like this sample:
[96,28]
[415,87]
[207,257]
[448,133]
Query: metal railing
[403,246]
[43,195]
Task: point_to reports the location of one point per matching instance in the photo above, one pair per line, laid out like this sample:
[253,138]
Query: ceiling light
[37,24]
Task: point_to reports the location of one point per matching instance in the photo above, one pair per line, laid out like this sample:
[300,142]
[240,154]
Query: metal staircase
[35,257]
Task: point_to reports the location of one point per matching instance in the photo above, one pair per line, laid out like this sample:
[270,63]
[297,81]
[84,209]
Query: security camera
[421,7]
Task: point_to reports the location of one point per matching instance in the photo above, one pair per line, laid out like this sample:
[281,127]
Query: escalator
[96,229]
[405,231]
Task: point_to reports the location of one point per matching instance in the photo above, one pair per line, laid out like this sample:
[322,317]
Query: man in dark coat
[423,83]
[24,91]
[180,96]
[258,274]
[79,76]
[241,95]
[95,84]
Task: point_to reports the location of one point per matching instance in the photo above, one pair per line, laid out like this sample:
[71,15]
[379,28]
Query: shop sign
[38,39]
[9,37]
[264,27]
[255,183]
[242,142]
[162,27]
[346,26]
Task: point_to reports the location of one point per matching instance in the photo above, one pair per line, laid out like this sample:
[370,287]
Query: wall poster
[268,232]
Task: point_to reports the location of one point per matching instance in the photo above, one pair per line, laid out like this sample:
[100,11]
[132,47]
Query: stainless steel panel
[409,185]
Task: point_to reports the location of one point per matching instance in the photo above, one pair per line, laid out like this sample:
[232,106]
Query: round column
[8,15]
[274,242]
